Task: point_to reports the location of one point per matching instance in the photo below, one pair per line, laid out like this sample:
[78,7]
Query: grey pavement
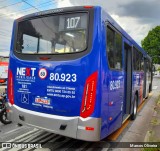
[145,128]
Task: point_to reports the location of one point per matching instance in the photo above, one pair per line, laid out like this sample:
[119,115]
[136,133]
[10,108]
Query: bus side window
[110,47]
[138,60]
[118,52]
[142,63]
[114,49]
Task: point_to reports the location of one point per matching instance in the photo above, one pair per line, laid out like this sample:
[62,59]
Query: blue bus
[75,72]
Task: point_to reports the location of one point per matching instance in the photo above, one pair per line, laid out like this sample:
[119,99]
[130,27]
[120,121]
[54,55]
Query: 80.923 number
[63,77]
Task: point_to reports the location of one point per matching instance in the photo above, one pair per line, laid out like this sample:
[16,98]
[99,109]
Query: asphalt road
[49,141]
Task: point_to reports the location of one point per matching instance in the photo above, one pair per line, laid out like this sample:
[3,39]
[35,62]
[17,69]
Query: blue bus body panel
[28,87]
[117,96]
[112,96]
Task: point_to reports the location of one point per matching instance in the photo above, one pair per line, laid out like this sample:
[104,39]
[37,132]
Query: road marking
[37,133]
[82,147]
[37,139]
[67,146]
[54,139]
[44,136]
[21,136]
[19,128]
[155,87]
[24,140]
[60,144]
[49,137]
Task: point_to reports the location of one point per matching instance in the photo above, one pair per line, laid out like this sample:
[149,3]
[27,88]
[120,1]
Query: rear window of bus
[58,34]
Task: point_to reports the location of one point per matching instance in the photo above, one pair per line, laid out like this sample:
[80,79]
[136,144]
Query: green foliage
[151,43]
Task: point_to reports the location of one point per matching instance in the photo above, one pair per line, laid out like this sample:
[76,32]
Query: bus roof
[53,11]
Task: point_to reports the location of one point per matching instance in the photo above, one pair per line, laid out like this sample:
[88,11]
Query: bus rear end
[3,69]
[54,72]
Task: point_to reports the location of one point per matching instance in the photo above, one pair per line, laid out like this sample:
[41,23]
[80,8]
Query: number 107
[72,22]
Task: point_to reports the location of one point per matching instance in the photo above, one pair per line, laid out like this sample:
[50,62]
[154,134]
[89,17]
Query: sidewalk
[153,134]
[146,127]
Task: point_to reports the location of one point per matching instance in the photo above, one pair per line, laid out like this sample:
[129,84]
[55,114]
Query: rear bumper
[75,126]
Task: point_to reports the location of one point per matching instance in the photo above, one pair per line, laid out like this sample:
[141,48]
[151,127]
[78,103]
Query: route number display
[72,22]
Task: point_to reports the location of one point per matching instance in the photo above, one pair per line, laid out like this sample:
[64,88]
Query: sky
[136,17]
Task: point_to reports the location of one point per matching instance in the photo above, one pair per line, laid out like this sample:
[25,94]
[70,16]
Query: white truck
[3,69]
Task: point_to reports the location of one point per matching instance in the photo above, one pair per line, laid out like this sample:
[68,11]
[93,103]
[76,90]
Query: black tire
[4,119]
[134,113]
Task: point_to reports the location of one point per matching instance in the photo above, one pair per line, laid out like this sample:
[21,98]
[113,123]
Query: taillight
[89,128]
[89,95]
[10,87]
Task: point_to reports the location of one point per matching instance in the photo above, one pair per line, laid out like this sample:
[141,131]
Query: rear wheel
[134,113]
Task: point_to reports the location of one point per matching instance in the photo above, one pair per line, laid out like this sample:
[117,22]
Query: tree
[151,43]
